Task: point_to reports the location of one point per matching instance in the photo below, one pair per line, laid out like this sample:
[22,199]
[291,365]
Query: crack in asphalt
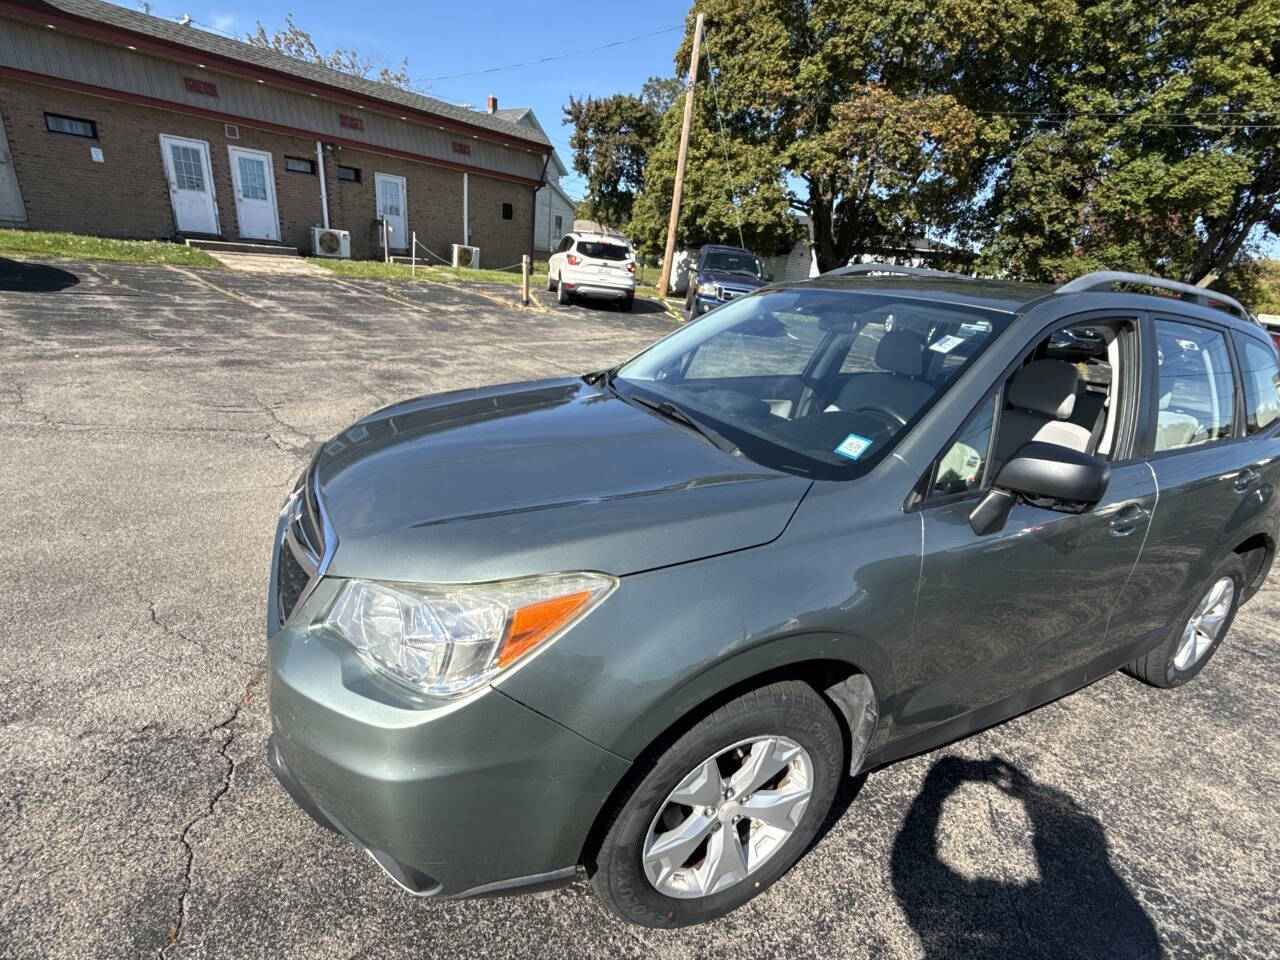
[225,725]
[300,450]
[170,630]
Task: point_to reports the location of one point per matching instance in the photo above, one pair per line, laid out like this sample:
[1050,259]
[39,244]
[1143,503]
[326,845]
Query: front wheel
[1186,650]
[724,811]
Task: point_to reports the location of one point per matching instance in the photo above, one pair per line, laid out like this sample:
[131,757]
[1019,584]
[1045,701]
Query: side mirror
[1051,476]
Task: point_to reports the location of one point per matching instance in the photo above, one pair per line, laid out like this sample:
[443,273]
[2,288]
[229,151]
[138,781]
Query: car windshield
[599,250]
[726,261]
[815,381]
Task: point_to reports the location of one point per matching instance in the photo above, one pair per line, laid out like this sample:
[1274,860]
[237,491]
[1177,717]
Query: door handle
[1128,520]
[1246,479]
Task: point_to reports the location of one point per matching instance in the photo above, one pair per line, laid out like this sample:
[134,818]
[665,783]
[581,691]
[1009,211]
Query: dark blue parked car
[721,274]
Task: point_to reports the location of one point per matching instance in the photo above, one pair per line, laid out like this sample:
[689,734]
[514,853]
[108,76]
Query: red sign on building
[202,87]
[351,123]
[462,148]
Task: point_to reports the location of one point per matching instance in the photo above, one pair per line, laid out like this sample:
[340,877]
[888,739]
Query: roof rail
[1105,279]
[854,269]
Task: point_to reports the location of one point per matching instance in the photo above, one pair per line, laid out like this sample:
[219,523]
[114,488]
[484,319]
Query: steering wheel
[894,420]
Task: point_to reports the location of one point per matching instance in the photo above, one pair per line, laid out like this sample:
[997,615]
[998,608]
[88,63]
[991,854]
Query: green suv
[641,623]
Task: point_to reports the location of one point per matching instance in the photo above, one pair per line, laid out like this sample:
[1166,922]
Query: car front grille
[732,293]
[291,580]
[306,544]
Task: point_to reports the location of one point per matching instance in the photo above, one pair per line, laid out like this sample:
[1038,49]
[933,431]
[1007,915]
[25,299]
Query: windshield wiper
[672,412]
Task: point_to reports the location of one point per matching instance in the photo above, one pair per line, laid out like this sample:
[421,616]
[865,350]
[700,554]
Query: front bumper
[452,798]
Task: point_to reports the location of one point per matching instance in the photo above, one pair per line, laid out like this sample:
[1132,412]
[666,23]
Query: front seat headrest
[901,352]
[1046,386]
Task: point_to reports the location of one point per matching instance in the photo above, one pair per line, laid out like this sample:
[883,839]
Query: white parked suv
[593,265]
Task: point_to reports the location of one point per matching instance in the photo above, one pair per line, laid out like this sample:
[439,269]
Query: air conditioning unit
[330,243]
[464,256]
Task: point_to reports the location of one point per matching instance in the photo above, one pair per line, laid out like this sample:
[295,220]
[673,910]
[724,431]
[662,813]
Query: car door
[1208,474]
[1002,614]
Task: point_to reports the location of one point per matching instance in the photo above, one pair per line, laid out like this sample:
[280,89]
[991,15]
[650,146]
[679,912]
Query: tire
[780,718]
[691,303]
[627,303]
[1162,666]
[551,284]
[562,295]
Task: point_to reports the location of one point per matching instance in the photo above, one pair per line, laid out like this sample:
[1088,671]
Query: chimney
[493,103]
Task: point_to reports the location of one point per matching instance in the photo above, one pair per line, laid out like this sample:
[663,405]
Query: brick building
[116,123]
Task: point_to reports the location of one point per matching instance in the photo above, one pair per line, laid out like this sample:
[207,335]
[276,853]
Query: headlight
[708,289]
[446,639]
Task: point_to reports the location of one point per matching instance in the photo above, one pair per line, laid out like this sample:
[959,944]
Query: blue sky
[443,40]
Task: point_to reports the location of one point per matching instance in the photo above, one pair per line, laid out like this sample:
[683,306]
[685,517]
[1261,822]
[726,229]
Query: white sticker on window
[946,344]
[853,446]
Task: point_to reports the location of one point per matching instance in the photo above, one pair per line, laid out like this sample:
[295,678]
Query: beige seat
[901,354]
[1043,397]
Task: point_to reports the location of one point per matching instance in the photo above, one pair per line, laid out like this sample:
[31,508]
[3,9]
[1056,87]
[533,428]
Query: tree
[611,140]
[1154,149]
[886,112]
[295,42]
[662,93]
[733,193]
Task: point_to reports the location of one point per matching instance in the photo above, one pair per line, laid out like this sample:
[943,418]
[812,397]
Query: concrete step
[234,246]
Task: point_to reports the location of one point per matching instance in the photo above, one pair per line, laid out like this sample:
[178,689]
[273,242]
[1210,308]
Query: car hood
[537,477]
[730,279]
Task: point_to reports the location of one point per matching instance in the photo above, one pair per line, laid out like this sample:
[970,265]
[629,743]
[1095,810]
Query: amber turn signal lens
[532,624]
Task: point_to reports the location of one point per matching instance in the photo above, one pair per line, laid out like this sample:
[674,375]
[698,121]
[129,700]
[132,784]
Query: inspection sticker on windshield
[853,446]
[946,344]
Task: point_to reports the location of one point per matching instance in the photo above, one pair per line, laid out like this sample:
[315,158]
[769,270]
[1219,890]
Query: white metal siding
[59,54]
[547,205]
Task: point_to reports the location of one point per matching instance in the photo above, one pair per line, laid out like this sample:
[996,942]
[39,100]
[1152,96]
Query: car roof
[594,236]
[724,248]
[1011,296]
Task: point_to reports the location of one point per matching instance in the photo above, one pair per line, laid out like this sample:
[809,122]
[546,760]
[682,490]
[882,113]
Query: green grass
[36,243]
[377,270]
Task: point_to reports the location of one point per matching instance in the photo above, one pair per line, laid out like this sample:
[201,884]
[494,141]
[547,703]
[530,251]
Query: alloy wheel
[728,817]
[1205,625]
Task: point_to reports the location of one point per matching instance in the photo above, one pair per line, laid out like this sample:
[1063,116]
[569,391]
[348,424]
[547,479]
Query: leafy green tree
[662,93]
[887,113]
[295,42]
[611,140]
[733,193]
[1154,145]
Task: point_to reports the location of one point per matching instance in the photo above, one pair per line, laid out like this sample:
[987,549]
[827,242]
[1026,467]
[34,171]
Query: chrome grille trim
[308,536]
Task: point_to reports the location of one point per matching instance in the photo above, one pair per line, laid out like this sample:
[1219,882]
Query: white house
[552,207]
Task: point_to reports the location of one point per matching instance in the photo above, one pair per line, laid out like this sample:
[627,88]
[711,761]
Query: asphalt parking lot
[152,420]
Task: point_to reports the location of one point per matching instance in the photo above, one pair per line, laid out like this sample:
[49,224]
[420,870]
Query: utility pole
[664,281]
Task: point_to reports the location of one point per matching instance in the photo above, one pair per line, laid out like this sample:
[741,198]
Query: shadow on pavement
[27,277]
[1078,907]
[640,307]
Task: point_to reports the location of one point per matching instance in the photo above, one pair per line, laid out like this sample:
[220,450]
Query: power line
[550,59]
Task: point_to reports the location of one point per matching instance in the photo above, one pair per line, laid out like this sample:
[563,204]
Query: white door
[11,207]
[392,202]
[255,186]
[186,164]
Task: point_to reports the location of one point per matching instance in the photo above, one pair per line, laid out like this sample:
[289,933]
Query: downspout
[466,229]
[324,189]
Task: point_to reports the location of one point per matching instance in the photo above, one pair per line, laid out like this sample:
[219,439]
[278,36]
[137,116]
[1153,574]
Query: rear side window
[599,250]
[1260,372]
[1197,389]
